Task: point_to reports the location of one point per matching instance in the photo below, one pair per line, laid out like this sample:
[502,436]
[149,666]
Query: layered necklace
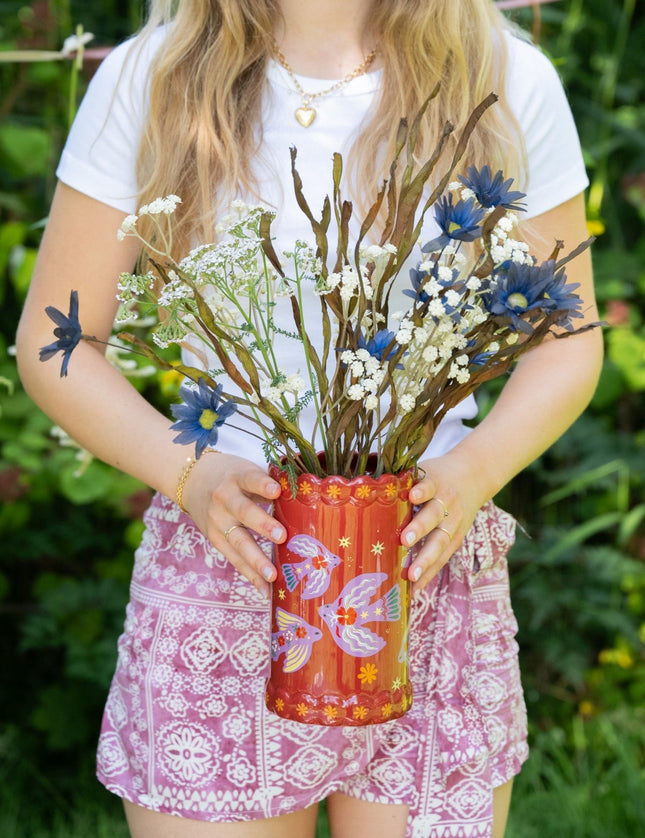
[305,114]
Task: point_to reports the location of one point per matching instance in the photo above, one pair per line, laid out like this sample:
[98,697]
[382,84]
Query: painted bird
[294,639]
[316,567]
[346,617]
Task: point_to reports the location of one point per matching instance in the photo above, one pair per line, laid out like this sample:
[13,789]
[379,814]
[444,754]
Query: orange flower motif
[305,487]
[367,673]
[333,491]
[363,492]
[360,712]
[346,616]
[301,632]
[331,712]
[301,709]
[284,483]
[386,710]
[319,562]
[390,490]
[279,704]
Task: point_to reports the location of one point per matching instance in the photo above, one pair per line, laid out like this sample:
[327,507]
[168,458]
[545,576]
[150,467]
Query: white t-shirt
[100,154]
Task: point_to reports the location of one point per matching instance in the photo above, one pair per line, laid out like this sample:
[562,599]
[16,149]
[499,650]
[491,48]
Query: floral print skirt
[186,732]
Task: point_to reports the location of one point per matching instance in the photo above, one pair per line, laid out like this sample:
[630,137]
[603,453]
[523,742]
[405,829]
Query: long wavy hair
[207,83]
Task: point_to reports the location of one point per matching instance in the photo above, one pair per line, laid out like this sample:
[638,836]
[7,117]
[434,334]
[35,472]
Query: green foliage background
[68,526]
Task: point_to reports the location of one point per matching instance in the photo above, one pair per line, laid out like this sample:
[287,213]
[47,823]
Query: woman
[206,107]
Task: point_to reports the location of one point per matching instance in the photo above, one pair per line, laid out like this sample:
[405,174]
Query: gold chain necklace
[306,114]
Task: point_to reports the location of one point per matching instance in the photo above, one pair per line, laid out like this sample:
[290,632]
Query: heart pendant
[305,116]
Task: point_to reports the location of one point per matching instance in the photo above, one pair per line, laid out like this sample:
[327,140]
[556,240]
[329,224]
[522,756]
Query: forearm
[101,410]
[546,393]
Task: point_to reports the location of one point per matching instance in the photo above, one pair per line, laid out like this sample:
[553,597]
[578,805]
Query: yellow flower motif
[282,593]
[360,712]
[363,492]
[367,673]
[344,541]
[396,684]
[377,548]
[279,704]
[333,491]
[331,712]
[390,490]
[305,487]
[302,709]
[386,710]
[284,483]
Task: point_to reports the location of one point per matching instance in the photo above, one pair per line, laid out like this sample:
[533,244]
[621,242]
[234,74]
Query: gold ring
[230,530]
[443,506]
[443,529]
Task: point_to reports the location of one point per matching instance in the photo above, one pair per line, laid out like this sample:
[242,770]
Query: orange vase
[341,600]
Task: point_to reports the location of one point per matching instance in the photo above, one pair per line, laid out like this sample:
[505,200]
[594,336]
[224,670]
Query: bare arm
[549,388]
[99,408]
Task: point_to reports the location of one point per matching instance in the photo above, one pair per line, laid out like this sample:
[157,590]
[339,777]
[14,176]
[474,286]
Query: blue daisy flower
[377,345]
[459,222]
[524,288]
[200,416]
[419,277]
[492,191]
[68,333]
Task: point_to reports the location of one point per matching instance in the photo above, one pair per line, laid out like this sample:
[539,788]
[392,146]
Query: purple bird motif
[316,567]
[294,639]
[347,615]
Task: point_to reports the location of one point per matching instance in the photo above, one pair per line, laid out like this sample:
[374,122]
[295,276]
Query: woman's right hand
[226,494]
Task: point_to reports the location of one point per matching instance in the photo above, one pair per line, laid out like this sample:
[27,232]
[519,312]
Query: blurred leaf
[27,150]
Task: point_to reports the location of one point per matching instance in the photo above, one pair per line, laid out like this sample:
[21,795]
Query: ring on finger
[443,529]
[230,530]
[443,506]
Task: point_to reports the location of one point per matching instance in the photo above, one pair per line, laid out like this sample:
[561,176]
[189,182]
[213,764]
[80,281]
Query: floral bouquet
[382,381]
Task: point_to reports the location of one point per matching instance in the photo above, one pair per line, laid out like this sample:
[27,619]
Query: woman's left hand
[448,495]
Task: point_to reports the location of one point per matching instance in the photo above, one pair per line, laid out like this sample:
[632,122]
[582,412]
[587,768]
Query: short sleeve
[99,157]
[556,170]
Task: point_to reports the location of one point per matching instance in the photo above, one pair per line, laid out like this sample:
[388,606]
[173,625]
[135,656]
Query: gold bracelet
[183,477]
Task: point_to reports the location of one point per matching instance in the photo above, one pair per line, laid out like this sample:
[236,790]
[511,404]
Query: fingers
[436,528]
[224,498]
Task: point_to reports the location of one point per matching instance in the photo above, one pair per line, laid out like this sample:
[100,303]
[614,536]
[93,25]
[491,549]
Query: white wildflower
[473,283]
[371,403]
[372,364]
[347,356]
[453,298]
[444,273]
[356,392]
[406,403]
[295,383]
[512,338]
[430,354]
[436,308]
[403,336]
[493,347]
[363,355]
[357,369]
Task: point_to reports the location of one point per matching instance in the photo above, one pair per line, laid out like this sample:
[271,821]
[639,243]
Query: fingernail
[414,495]
[273,487]
[415,573]
[276,533]
[267,572]
[409,538]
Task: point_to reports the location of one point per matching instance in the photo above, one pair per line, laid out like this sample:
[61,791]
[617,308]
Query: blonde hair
[207,82]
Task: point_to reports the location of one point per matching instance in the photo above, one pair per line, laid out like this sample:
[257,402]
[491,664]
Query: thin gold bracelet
[183,477]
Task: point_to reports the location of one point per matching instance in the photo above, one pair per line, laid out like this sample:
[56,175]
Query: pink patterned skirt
[185,730]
